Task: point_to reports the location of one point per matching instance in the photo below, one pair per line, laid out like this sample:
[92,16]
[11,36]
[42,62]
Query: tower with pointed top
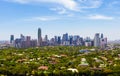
[39,37]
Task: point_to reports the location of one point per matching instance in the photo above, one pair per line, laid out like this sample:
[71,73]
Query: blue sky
[56,17]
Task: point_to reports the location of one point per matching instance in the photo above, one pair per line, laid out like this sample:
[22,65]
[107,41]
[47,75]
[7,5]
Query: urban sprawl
[65,40]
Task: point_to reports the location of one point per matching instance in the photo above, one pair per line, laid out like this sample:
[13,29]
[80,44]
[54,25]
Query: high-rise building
[97,40]
[39,37]
[46,38]
[45,42]
[52,41]
[56,39]
[11,38]
[65,39]
[88,41]
[76,40]
[103,43]
[101,35]
[28,39]
[59,40]
[71,40]
[33,43]
[18,43]
[22,37]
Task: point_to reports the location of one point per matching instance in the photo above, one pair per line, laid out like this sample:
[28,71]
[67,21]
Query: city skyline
[65,40]
[76,17]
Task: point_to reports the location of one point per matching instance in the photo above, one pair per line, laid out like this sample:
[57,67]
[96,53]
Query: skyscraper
[11,38]
[65,39]
[103,43]
[22,37]
[59,40]
[46,38]
[71,40]
[97,40]
[101,35]
[39,37]
[88,41]
[28,39]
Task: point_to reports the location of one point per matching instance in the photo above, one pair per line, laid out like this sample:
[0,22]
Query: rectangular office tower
[97,40]
[12,39]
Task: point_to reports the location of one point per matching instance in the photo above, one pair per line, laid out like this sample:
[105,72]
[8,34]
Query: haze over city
[56,17]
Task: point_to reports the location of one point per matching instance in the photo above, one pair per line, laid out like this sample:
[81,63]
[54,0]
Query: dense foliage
[55,61]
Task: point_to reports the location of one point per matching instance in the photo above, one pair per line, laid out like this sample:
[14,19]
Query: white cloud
[68,4]
[73,5]
[65,7]
[45,18]
[87,4]
[59,10]
[62,11]
[100,17]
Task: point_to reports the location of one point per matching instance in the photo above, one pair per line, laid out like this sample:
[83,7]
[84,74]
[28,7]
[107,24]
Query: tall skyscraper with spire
[39,37]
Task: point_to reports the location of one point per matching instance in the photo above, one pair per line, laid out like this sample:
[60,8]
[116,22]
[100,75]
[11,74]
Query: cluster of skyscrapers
[65,40]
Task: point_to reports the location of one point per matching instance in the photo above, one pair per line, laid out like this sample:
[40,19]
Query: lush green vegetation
[55,61]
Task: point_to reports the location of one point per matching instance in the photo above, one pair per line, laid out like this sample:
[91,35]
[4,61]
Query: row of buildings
[65,40]
[23,41]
